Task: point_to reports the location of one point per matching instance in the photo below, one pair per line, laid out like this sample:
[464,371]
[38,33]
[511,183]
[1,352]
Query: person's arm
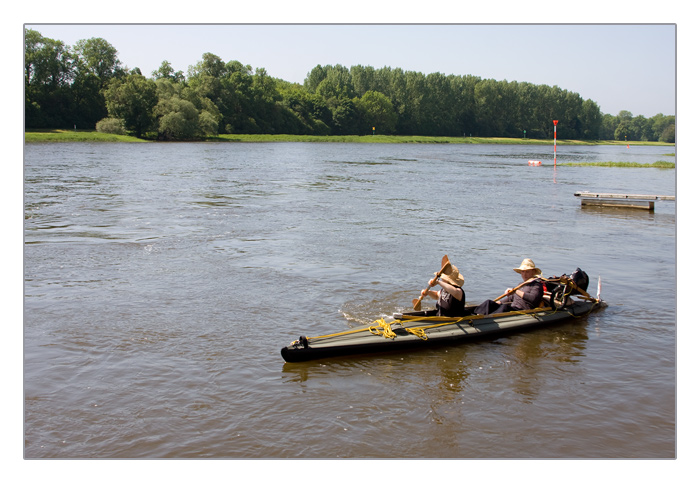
[524,290]
[531,293]
[456,292]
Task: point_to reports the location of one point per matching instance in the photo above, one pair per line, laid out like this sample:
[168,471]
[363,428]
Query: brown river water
[162,280]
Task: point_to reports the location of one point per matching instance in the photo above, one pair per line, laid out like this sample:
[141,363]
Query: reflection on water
[627,213]
[161,281]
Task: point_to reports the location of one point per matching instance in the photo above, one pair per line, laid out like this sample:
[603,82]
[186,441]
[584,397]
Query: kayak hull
[419,330]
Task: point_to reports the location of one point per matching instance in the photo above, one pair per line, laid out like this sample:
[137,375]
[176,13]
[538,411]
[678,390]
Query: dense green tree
[298,102]
[207,124]
[33,44]
[166,71]
[235,102]
[133,99]
[96,63]
[210,65]
[624,116]
[178,119]
[669,134]
[98,57]
[409,102]
[623,131]
[315,77]
[660,125]
[182,114]
[76,87]
[488,102]
[607,127]
[643,129]
[464,103]
[321,115]
[337,83]
[437,116]
[346,118]
[48,75]
[363,79]
[376,111]
[87,103]
[47,62]
[591,119]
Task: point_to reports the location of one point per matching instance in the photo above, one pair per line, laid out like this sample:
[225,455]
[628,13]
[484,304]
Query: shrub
[111,125]
[320,128]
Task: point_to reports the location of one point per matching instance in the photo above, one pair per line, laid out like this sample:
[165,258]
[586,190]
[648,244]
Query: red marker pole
[555,143]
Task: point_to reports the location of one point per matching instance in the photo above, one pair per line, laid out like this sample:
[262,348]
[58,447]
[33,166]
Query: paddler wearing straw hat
[450,297]
[529,295]
[525,296]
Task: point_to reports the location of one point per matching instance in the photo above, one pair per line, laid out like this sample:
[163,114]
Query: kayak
[422,329]
[415,330]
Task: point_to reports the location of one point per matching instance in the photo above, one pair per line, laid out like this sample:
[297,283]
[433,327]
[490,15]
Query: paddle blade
[445,264]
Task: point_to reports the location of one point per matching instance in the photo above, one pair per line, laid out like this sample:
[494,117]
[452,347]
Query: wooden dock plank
[625,196]
[621,199]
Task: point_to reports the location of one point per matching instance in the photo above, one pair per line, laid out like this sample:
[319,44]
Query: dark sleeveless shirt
[448,306]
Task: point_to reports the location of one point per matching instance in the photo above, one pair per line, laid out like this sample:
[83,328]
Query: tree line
[87,87]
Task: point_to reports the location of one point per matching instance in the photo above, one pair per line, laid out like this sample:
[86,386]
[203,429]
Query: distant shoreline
[59,135]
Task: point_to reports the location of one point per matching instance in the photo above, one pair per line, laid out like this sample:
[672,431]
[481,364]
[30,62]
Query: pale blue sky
[630,67]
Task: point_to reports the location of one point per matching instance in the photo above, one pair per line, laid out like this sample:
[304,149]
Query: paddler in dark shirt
[527,297]
[450,297]
[530,295]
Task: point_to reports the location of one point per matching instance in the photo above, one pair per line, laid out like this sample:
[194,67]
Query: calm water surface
[162,280]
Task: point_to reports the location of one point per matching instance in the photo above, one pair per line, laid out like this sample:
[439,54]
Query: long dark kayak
[418,330]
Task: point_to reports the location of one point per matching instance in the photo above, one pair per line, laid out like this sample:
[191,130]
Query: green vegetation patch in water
[611,164]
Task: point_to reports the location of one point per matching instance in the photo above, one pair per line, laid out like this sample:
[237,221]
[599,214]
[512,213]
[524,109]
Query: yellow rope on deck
[382,328]
[418,332]
[385,329]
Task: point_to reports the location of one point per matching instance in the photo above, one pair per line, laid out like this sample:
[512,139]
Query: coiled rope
[418,332]
[385,329]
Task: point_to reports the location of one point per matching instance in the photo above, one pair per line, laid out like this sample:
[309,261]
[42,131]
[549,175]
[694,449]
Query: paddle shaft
[516,288]
[445,264]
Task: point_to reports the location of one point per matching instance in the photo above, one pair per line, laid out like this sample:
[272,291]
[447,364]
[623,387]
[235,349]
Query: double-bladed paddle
[445,264]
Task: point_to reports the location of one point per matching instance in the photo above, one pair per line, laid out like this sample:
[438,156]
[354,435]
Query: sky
[618,66]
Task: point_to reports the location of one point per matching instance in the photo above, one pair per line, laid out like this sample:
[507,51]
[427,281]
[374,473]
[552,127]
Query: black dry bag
[580,278]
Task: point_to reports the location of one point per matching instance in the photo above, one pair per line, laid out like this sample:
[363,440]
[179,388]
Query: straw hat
[452,276]
[528,265]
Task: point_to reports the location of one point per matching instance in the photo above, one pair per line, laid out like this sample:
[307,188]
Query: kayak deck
[422,329]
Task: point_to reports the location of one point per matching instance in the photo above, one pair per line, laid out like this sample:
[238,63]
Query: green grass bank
[68,136]
[71,136]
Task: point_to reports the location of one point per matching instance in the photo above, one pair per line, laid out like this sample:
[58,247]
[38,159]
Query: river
[162,280]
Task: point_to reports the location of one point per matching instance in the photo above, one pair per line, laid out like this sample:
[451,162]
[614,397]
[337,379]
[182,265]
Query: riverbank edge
[58,135]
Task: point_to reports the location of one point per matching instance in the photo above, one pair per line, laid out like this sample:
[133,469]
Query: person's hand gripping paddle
[445,265]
